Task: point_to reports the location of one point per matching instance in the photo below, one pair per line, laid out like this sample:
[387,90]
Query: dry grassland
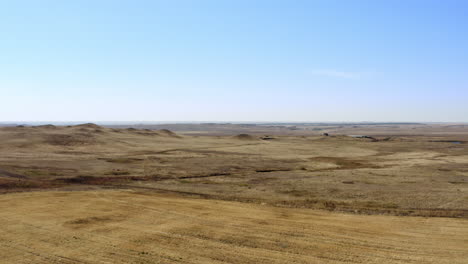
[89,194]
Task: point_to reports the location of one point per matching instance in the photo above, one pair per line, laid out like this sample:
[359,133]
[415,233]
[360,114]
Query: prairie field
[234,194]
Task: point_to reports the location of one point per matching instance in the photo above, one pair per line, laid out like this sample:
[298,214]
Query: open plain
[234,194]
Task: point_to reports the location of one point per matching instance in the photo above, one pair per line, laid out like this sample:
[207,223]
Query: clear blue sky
[242,60]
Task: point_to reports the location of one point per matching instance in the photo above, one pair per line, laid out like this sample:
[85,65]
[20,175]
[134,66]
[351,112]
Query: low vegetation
[110,183]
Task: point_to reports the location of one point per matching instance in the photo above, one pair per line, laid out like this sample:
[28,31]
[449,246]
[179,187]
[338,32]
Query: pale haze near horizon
[234,61]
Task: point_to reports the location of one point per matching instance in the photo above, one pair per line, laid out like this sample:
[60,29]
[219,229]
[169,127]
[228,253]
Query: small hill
[89,125]
[49,126]
[88,128]
[167,132]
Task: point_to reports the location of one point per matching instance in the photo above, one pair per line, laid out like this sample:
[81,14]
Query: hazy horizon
[243,61]
[61,122]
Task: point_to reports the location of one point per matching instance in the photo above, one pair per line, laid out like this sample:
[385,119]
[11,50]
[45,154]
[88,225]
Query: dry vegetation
[92,194]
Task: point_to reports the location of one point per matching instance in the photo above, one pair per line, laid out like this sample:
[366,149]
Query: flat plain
[224,193]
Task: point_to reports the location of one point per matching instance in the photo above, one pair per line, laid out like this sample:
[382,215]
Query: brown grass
[283,194]
[143,227]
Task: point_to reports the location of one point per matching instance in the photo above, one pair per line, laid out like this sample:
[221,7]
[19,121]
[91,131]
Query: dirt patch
[345,164]
[348,182]
[93,220]
[244,137]
[123,160]
[102,180]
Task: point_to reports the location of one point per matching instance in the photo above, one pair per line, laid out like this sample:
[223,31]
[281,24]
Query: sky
[234,60]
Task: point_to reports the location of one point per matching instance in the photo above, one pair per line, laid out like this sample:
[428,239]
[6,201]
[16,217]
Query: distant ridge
[89,125]
[167,132]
